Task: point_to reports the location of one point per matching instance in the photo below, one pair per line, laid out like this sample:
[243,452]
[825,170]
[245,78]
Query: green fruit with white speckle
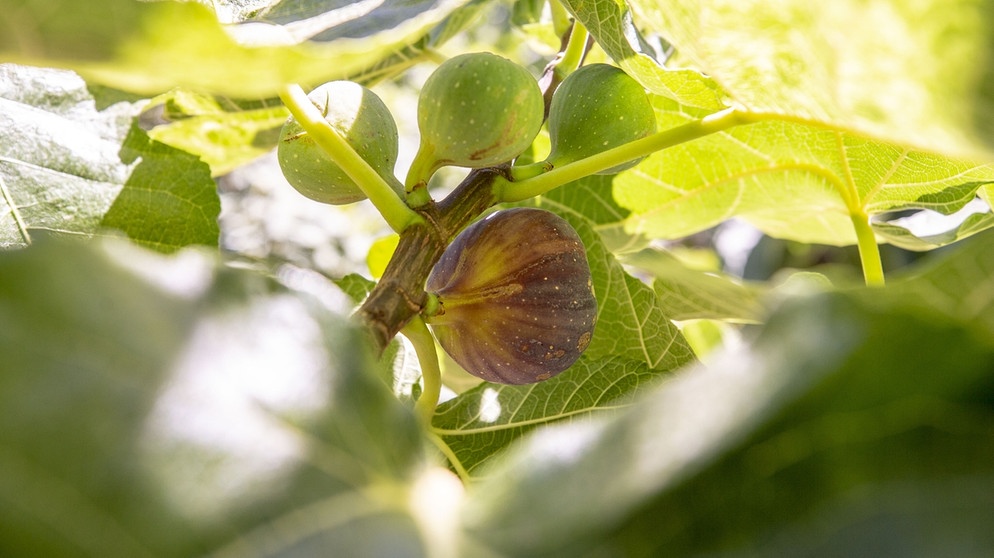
[475,110]
[515,299]
[365,122]
[594,109]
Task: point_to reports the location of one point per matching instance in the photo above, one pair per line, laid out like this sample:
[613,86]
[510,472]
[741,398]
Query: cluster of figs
[515,299]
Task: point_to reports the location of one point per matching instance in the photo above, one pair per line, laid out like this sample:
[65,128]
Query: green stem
[576,50]
[451,456]
[560,17]
[508,191]
[15,212]
[424,345]
[434,55]
[396,213]
[869,251]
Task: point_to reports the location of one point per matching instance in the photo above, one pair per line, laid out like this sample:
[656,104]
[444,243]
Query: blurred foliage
[189,400]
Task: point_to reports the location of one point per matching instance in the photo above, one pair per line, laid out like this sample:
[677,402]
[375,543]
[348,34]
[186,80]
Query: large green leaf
[854,111]
[913,73]
[66,166]
[851,421]
[152,47]
[791,179]
[154,406]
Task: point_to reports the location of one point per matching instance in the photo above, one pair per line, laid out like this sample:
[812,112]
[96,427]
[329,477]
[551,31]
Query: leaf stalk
[512,191]
[424,345]
[869,250]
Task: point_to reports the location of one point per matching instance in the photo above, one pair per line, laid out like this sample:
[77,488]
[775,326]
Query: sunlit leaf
[152,47]
[904,237]
[380,253]
[790,179]
[168,201]
[224,137]
[913,73]
[610,22]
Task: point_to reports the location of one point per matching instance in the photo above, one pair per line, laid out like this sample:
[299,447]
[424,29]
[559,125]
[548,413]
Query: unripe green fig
[365,122]
[516,303]
[594,109]
[475,110]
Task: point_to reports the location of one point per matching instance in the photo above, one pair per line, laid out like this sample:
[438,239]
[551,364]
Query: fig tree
[365,122]
[516,304]
[595,108]
[475,110]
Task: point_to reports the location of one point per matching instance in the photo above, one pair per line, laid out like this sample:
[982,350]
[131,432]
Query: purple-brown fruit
[516,300]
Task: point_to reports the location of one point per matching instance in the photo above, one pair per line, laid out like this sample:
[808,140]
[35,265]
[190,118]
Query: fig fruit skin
[475,110]
[364,120]
[516,299]
[594,109]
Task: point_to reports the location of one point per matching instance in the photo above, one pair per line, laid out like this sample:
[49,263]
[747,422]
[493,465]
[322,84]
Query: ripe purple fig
[516,302]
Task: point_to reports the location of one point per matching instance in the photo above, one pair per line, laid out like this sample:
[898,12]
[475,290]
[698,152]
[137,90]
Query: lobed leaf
[169,200]
[791,179]
[914,74]
[903,237]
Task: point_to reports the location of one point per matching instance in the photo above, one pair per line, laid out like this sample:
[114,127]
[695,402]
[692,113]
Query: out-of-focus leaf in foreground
[154,406]
[851,419]
[152,47]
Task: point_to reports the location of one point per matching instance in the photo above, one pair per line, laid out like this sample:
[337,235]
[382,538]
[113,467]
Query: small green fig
[594,109]
[475,110]
[365,122]
[516,303]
